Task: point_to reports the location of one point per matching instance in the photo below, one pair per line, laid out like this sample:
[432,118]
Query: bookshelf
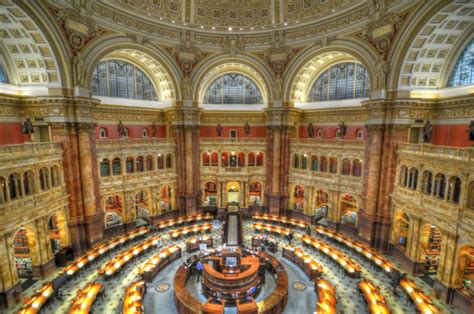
[433,248]
[22,254]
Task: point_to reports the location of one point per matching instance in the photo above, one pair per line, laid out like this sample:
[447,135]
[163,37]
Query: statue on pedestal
[219,130]
[247,129]
[121,130]
[342,129]
[27,128]
[470,132]
[310,130]
[427,132]
[154,131]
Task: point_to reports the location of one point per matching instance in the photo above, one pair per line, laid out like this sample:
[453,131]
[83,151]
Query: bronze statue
[470,132]
[310,130]
[219,129]
[427,132]
[154,131]
[342,129]
[121,130]
[27,128]
[247,129]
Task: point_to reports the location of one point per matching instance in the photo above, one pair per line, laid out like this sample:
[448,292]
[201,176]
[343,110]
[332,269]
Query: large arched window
[121,79]
[233,88]
[463,73]
[341,81]
[3,75]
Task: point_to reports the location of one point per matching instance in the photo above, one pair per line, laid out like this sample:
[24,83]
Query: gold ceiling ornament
[381,33]
[278,55]
[186,54]
[78,27]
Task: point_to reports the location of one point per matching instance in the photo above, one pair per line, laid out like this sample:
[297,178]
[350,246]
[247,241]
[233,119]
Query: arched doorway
[402,227]
[142,208]
[165,198]
[321,204]
[349,209]
[53,233]
[255,194]
[113,211]
[21,250]
[298,197]
[465,275]
[210,194]
[430,246]
[233,193]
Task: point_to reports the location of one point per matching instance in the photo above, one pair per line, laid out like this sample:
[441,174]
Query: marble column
[82,183]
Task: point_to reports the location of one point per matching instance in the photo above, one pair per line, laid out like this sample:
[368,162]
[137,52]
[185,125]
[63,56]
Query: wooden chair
[213,308]
[247,308]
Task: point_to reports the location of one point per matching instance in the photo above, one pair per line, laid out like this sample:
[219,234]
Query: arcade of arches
[357,116]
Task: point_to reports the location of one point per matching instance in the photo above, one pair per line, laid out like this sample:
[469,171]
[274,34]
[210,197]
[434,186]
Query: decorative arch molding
[220,64]
[165,74]
[427,41]
[318,58]
[43,58]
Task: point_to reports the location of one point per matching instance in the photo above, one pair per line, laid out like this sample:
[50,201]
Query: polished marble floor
[349,301]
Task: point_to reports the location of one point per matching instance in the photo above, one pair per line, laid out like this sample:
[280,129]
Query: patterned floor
[299,301]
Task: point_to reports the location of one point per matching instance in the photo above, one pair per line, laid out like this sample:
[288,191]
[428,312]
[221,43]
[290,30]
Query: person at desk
[308,230]
[199,268]
[290,237]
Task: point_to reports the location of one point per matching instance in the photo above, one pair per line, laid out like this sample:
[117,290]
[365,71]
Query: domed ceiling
[240,15]
[255,24]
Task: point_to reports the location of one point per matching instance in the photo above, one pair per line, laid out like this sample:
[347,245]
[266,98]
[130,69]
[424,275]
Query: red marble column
[277,169]
[381,162]
[81,176]
[187,157]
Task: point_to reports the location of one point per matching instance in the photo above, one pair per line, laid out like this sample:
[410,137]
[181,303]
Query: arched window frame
[116,167]
[346,167]
[233,88]
[103,133]
[344,80]
[463,71]
[454,189]
[3,74]
[145,132]
[134,84]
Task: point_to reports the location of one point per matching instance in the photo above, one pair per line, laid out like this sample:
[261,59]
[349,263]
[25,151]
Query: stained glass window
[233,88]
[341,81]
[463,73]
[3,75]
[120,79]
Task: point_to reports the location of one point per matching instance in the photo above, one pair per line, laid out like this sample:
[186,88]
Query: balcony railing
[335,142]
[228,140]
[129,142]
[428,150]
[30,148]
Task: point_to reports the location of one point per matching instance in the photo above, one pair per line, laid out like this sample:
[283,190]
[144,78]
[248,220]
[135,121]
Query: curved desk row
[305,261]
[194,243]
[102,249]
[133,300]
[263,240]
[374,299]
[272,229]
[422,301]
[327,302]
[85,298]
[118,262]
[281,220]
[369,253]
[159,261]
[183,220]
[350,267]
[35,303]
[176,233]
